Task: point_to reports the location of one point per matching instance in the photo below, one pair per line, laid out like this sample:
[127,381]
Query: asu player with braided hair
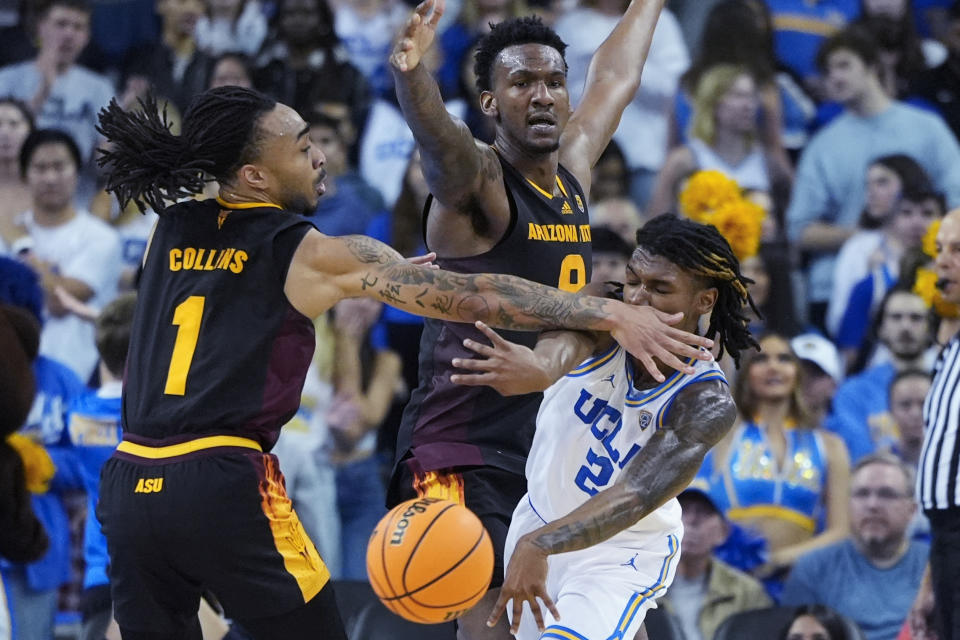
[613,446]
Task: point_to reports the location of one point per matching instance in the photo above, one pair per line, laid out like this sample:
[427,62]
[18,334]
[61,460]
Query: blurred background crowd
[837,120]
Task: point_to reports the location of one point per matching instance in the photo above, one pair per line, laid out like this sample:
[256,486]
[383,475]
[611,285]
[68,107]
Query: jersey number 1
[187,318]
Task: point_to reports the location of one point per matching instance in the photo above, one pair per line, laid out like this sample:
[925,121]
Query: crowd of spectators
[839,118]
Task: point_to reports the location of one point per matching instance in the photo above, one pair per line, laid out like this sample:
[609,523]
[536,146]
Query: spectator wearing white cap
[823,371]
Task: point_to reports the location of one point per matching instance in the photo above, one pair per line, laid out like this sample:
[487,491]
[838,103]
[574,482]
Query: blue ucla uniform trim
[703,377]
[592,364]
[635,602]
[639,398]
[562,633]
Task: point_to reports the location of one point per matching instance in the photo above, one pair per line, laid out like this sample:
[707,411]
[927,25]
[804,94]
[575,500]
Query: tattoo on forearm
[368,281]
[701,415]
[391,293]
[420,295]
[369,251]
[443,304]
[510,302]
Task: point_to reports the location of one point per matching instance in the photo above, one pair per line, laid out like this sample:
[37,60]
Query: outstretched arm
[612,81]
[454,164]
[326,269]
[513,369]
[700,416]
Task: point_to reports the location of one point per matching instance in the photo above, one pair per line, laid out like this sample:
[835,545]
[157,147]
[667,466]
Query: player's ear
[488,104]
[706,299]
[253,176]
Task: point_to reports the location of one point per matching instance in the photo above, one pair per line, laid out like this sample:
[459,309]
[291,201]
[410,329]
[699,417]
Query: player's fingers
[473,379]
[674,362]
[537,613]
[426,258]
[423,9]
[498,609]
[480,349]
[495,337]
[438,9]
[682,350]
[472,364]
[689,338]
[668,318]
[647,361]
[549,604]
[517,612]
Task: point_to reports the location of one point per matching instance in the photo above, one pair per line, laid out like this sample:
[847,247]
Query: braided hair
[146,163]
[700,250]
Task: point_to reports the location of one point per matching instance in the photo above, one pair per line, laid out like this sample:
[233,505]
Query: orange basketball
[430,560]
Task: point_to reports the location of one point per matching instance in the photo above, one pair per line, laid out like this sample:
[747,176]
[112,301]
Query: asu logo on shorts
[149,485]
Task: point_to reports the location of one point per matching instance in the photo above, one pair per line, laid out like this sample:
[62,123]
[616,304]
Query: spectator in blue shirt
[861,406]
[878,556]
[95,432]
[350,203]
[829,190]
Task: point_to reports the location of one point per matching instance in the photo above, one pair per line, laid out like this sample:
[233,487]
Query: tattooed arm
[700,416]
[326,269]
[456,166]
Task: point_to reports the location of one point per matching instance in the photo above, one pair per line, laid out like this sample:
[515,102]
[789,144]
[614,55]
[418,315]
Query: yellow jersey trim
[563,189]
[668,384]
[773,511]
[595,363]
[173,450]
[804,24]
[246,205]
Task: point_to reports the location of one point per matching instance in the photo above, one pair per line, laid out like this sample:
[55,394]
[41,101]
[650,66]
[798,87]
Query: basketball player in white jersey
[597,537]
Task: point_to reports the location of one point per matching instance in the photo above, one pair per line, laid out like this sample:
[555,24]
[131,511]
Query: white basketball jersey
[591,424]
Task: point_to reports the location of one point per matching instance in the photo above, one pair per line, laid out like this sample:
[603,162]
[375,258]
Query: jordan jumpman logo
[630,562]
[609,379]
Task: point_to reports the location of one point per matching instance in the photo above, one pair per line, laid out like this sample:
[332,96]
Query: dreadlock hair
[525,30]
[149,165]
[700,250]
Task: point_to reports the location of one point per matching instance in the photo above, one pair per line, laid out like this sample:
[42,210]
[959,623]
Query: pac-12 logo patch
[646,419]
[579,202]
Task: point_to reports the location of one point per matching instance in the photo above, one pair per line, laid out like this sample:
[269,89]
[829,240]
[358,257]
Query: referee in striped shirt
[938,475]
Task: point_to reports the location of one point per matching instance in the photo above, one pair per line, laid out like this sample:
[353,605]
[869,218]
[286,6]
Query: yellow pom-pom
[707,191]
[930,239]
[925,286]
[741,223]
[38,466]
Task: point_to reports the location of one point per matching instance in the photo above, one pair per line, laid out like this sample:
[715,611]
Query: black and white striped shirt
[938,477]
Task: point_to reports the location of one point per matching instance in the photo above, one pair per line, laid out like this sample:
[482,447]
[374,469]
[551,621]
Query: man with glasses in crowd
[878,556]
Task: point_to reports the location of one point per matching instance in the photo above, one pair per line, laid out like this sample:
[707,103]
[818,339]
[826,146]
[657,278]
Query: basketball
[430,560]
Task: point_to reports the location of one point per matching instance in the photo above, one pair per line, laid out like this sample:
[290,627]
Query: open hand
[525,582]
[510,368]
[417,35]
[647,334]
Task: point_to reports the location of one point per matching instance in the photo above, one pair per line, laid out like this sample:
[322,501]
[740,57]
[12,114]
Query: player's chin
[543,145]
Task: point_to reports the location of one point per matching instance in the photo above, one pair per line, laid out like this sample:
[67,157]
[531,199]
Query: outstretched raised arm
[326,269]
[612,81]
[455,165]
